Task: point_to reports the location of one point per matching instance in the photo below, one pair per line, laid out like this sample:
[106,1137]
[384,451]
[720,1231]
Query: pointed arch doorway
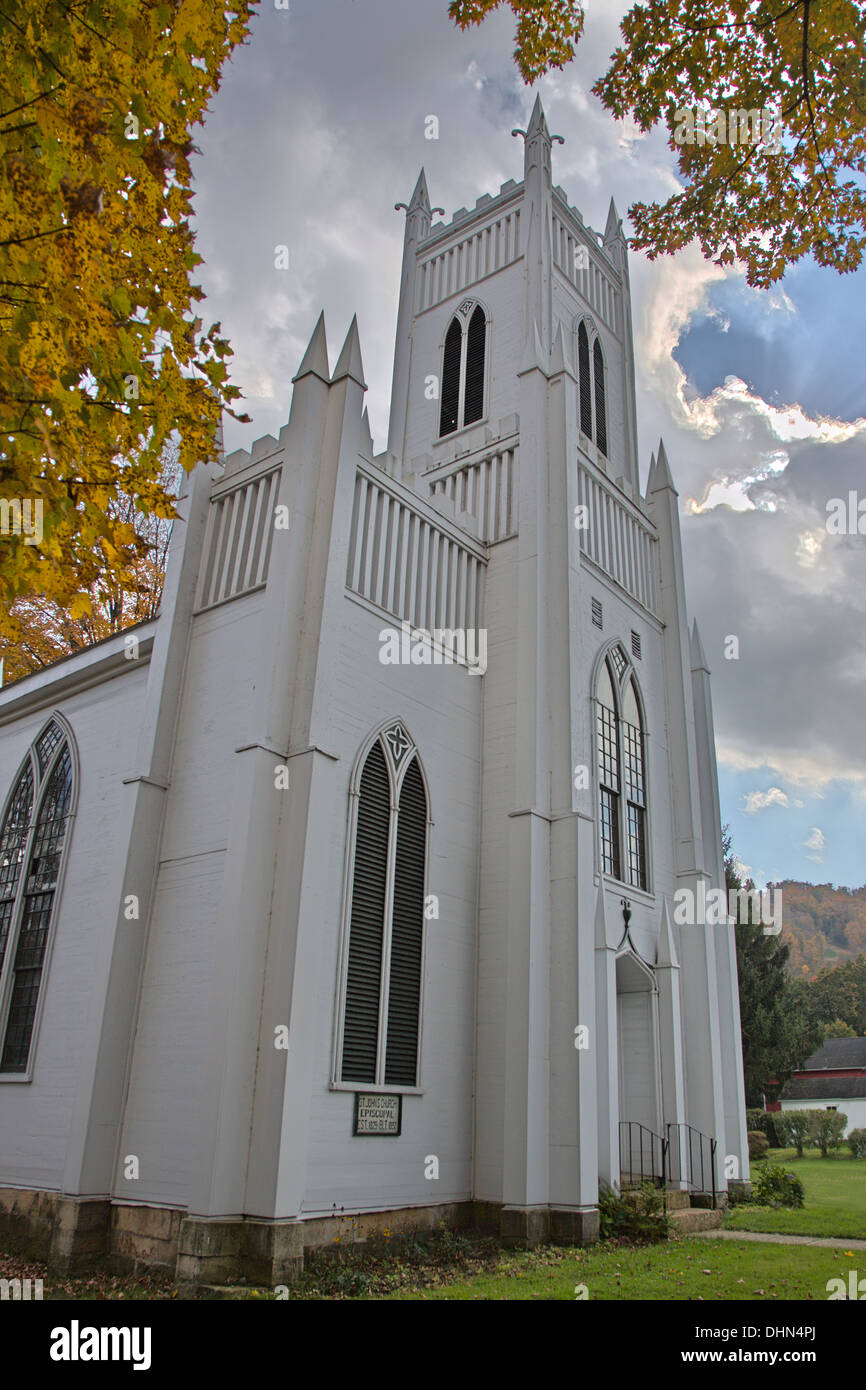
[640,1100]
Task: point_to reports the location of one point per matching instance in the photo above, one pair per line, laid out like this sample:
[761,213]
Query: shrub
[774,1186]
[764,1120]
[637,1216]
[857,1142]
[794,1127]
[827,1129]
[758,1144]
[740,1197]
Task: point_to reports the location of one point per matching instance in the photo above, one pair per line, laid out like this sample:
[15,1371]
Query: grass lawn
[716,1271]
[835,1198]
[475,1269]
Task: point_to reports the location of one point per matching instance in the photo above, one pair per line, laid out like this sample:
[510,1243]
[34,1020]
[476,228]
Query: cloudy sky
[319,128]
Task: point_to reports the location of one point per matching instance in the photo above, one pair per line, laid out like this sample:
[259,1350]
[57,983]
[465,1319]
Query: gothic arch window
[476,336]
[464,368]
[583,378]
[449,412]
[592,385]
[621,769]
[600,412]
[33,834]
[381,1006]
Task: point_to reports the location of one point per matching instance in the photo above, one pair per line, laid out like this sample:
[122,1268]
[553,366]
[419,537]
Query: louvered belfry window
[600,415]
[450,408]
[32,840]
[584,381]
[473,400]
[464,368]
[382,1006]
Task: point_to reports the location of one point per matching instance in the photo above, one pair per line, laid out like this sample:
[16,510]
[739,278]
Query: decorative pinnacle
[560,140]
[405,208]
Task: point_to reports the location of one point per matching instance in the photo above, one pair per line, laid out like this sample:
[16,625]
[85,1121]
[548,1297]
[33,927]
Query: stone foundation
[73,1235]
[574,1227]
[69,1233]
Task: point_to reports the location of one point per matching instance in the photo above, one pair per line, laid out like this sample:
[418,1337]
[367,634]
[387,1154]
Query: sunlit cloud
[817,844]
[758,801]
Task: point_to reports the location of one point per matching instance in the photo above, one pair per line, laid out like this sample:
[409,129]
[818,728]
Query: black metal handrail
[692,1158]
[650,1149]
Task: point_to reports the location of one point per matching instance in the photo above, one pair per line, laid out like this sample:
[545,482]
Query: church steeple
[418,215]
[418,212]
[538,143]
[538,192]
[613,227]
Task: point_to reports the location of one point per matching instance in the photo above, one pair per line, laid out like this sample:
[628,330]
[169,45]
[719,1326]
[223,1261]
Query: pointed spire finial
[601,940]
[537,126]
[613,226]
[698,655]
[315,359]
[560,360]
[660,477]
[534,354]
[366,436]
[667,950]
[538,120]
[350,363]
[420,197]
[420,200]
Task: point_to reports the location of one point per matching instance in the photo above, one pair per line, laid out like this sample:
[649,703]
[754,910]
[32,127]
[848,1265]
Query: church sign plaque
[375,1114]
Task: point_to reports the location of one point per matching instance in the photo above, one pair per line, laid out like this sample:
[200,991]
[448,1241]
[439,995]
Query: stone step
[695,1219]
[236,1291]
[678,1200]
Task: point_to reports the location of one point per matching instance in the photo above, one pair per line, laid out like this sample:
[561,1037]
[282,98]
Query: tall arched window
[382,1004]
[600,415]
[450,407]
[463,369]
[592,387]
[584,381]
[476,334]
[32,838]
[621,772]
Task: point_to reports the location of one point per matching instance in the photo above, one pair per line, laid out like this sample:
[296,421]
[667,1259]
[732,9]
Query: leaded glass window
[32,840]
[621,773]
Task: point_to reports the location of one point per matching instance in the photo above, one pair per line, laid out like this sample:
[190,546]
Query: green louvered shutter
[600,411]
[451,378]
[584,381]
[404,993]
[473,394]
[366,929]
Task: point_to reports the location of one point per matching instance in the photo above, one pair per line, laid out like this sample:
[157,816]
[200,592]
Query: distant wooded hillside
[824,926]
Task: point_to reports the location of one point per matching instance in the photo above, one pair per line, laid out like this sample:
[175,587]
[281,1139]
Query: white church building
[339,898]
